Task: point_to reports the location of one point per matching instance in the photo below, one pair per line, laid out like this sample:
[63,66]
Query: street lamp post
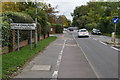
[36,23]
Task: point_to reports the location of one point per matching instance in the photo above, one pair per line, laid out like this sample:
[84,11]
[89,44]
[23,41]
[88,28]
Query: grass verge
[110,35]
[13,60]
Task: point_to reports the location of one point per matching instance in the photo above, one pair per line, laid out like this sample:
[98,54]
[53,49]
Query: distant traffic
[84,32]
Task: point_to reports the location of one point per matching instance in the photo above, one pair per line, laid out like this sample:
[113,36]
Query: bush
[90,26]
[58,27]
[18,17]
[5,33]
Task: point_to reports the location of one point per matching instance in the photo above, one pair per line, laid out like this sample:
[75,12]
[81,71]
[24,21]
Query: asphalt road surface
[73,57]
[103,59]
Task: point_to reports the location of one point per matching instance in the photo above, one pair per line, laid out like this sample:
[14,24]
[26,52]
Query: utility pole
[36,5]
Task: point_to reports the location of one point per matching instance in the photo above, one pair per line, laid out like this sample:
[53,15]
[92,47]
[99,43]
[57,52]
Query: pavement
[107,40]
[70,57]
[47,57]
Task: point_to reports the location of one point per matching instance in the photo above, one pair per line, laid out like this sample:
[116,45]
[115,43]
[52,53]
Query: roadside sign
[116,20]
[36,5]
[23,26]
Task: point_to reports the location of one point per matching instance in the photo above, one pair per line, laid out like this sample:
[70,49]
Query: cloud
[66,7]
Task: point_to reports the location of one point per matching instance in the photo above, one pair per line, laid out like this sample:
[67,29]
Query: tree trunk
[12,39]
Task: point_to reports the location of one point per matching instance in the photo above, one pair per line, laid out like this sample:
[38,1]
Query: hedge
[59,28]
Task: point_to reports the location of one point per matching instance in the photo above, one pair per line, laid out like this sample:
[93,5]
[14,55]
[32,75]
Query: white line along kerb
[103,43]
[115,48]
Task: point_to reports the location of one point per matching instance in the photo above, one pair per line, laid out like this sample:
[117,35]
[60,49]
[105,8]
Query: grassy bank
[13,60]
[110,35]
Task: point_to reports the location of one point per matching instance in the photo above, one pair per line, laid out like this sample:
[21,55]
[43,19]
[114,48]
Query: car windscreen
[83,31]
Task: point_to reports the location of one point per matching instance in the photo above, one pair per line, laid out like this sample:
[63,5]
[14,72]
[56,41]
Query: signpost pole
[36,25]
[115,35]
[115,20]
[18,39]
[30,39]
[115,28]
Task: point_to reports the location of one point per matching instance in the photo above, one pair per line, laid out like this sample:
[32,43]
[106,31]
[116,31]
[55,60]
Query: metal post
[30,39]
[115,28]
[18,41]
[36,26]
[115,35]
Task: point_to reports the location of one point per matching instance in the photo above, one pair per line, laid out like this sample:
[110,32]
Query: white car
[83,33]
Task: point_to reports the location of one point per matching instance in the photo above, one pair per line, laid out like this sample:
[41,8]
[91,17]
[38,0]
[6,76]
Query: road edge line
[102,43]
[115,48]
[87,59]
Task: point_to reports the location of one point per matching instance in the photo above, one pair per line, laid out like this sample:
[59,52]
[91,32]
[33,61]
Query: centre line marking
[55,73]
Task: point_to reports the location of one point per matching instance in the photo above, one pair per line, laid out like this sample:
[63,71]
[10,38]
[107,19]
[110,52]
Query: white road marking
[55,73]
[87,59]
[41,67]
[115,48]
[95,39]
[103,43]
[102,36]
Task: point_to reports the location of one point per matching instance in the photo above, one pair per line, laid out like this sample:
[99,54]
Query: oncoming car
[83,33]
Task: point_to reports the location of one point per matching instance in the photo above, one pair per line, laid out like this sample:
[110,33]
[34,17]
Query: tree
[96,15]
[62,20]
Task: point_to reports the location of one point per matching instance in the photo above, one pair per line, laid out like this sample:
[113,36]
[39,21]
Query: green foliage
[42,19]
[10,63]
[96,15]
[48,27]
[58,27]
[90,26]
[5,33]
[18,17]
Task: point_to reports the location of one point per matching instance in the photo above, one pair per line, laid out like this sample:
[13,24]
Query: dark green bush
[17,17]
[58,27]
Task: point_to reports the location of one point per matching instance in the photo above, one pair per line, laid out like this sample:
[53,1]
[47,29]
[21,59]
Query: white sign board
[23,26]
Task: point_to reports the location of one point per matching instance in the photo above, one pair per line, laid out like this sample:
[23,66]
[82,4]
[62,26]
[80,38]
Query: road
[73,57]
[102,57]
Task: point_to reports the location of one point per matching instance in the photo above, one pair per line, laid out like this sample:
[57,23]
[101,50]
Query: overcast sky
[65,7]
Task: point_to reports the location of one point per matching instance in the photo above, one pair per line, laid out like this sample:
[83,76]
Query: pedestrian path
[43,65]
